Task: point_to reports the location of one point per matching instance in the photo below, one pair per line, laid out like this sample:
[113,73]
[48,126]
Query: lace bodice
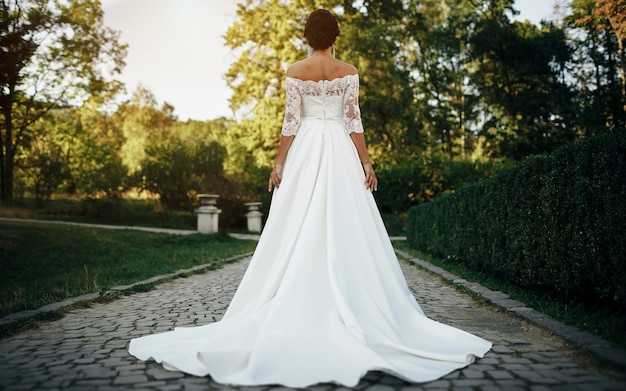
[336,99]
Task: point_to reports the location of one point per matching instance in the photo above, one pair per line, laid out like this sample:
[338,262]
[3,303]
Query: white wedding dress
[324,299]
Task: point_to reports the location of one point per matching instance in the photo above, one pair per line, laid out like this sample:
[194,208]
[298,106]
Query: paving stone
[497,388]
[506,384]
[99,373]
[392,381]
[380,387]
[472,373]
[198,387]
[500,374]
[131,367]
[130,379]
[86,360]
[155,384]
[541,367]
[534,357]
[163,374]
[515,360]
[489,360]
[20,387]
[515,367]
[502,349]
[453,375]
[113,362]
[472,382]
[92,383]
[173,387]
[479,366]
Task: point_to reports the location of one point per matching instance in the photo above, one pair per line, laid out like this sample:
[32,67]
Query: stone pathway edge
[601,349]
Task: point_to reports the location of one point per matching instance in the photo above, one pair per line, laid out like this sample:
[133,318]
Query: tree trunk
[1,165]
[6,188]
[622,59]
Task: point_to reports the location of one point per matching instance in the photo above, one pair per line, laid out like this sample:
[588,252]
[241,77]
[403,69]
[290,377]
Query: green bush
[176,171]
[103,209]
[554,224]
[421,180]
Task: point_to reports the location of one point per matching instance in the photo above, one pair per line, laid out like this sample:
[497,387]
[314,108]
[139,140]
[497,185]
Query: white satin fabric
[324,299]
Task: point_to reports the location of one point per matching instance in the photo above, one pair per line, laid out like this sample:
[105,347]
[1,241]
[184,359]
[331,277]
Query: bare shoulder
[297,68]
[320,69]
[348,69]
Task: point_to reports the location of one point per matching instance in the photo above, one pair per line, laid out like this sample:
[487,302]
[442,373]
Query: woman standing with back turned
[324,299]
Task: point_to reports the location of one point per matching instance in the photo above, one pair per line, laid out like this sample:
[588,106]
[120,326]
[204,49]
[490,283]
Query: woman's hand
[371,183]
[275,177]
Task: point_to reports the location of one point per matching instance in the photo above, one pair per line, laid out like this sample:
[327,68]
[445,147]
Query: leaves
[176,172]
[57,53]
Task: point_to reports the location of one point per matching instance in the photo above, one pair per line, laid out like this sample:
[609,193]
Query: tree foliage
[143,124]
[73,149]
[176,172]
[520,72]
[614,14]
[451,91]
[597,69]
[55,53]
[264,37]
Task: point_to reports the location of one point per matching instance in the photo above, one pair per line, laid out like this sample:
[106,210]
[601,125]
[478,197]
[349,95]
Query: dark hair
[321,29]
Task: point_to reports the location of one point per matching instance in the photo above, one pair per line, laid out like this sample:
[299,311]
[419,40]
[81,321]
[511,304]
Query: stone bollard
[208,214]
[254,216]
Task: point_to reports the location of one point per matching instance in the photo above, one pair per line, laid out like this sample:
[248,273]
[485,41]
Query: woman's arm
[277,173]
[371,183]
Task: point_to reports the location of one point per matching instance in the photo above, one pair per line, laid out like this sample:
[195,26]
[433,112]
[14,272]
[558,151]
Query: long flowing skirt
[323,299]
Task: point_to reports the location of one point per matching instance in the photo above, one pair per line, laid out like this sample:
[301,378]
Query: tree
[55,53]
[520,76]
[614,13]
[374,37]
[44,165]
[72,149]
[95,160]
[266,38]
[598,36]
[143,124]
[447,102]
[177,172]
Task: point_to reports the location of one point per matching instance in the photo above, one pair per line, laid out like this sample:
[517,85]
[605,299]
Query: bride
[324,299]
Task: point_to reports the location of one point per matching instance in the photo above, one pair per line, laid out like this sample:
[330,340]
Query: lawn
[42,264]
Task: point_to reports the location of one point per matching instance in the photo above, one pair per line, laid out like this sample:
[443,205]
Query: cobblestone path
[87,348]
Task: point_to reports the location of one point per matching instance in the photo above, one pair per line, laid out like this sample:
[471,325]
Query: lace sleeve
[351,110]
[293,109]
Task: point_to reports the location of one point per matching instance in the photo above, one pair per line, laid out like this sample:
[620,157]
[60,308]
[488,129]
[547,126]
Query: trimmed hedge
[553,224]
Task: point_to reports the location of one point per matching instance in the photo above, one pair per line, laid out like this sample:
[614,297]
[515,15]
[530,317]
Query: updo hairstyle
[321,29]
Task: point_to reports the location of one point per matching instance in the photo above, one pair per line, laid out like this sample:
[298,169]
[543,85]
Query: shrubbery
[402,186]
[554,224]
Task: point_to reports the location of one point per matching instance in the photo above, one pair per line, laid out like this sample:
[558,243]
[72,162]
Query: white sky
[176,49]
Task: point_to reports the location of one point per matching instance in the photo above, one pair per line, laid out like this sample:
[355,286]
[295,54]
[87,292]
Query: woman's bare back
[320,67]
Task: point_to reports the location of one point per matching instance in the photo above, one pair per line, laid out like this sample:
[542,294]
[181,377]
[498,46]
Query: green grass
[128,212]
[42,263]
[602,323]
